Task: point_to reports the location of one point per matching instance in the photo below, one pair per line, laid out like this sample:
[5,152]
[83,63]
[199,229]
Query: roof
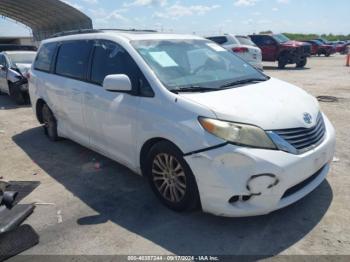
[128,35]
[45,17]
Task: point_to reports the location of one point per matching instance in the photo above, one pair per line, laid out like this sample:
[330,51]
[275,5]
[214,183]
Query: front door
[111,117]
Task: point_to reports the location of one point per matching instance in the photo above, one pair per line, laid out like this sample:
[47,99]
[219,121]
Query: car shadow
[6,103]
[119,196]
[275,68]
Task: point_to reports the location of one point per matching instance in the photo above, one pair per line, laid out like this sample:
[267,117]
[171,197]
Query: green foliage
[329,37]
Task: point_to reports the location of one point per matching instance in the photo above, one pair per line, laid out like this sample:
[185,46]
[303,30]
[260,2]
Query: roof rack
[130,30]
[76,32]
[91,31]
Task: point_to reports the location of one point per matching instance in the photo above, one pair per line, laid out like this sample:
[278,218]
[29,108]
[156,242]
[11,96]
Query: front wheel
[302,63]
[16,94]
[170,177]
[282,62]
[50,123]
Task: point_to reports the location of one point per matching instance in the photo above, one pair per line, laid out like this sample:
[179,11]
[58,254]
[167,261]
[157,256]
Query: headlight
[240,134]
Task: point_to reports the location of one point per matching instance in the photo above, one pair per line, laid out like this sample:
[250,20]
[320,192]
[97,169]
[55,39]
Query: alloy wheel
[169,177]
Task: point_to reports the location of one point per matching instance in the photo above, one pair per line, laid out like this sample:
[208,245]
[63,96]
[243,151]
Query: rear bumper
[225,172]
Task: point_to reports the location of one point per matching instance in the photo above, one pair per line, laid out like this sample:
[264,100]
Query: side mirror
[3,68]
[117,83]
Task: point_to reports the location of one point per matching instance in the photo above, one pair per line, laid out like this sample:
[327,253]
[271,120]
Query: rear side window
[73,58]
[110,58]
[218,39]
[44,58]
[262,40]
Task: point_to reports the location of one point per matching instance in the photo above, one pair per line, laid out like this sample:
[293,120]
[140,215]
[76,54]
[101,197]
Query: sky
[205,17]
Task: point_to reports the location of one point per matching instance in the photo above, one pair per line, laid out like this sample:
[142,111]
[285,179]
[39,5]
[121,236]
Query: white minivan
[206,128]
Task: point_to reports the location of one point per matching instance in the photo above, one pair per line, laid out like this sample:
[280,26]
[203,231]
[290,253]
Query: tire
[327,54]
[50,123]
[282,62]
[16,94]
[302,63]
[170,177]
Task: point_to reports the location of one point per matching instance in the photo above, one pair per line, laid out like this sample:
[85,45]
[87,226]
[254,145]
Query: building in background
[44,17]
[20,40]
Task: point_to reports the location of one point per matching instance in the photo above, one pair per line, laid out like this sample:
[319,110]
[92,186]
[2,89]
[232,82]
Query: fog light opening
[233,199]
[246,198]
[236,199]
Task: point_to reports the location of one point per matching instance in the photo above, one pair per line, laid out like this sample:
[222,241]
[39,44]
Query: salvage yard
[88,204]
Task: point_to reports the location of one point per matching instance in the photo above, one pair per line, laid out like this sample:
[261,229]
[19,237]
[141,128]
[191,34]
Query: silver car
[14,66]
[241,46]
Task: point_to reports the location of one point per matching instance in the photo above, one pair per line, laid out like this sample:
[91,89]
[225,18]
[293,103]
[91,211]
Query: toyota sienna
[205,127]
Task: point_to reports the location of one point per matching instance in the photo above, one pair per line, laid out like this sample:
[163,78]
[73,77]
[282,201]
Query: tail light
[240,50]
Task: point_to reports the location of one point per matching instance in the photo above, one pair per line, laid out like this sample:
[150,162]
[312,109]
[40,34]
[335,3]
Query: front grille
[304,139]
[302,184]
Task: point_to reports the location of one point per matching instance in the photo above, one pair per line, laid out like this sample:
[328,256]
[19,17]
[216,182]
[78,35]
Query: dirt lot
[112,211]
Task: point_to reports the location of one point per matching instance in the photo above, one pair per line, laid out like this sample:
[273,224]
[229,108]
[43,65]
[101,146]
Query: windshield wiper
[241,82]
[193,89]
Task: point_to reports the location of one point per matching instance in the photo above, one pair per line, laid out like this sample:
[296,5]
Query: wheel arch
[147,146]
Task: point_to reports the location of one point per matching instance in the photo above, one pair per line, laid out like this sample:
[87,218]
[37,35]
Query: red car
[319,48]
[278,47]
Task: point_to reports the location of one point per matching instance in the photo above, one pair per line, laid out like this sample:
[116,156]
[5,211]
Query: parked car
[241,46]
[319,48]
[202,125]
[14,66]
[346,47]
[12,47]
[341,47]
[278,47]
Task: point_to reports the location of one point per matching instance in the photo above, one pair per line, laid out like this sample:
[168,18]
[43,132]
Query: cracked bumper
[224,172]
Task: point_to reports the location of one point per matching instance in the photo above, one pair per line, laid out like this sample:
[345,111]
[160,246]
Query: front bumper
[224,172]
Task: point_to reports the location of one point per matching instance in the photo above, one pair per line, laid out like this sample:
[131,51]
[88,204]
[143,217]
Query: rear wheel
[16,94]
[50,123]
[170,177]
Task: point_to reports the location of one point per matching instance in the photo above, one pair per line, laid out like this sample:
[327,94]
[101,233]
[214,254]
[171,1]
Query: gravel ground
[112,211]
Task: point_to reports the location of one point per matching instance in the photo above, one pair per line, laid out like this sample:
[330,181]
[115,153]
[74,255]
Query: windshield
[281,38]
[318,42]
[245,40]
[22,58]
[194,63]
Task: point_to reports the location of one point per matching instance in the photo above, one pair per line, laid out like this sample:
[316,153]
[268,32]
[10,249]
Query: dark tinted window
[261,40]
[44,58]
[73,59]
[218,39]
[110,58]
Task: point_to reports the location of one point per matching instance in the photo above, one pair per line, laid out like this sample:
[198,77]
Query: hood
[271,105]
[292,43]
[23,68]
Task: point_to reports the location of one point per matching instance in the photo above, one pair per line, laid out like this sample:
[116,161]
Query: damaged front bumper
[236,181]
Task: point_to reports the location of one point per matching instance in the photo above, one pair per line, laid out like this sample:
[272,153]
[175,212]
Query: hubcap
[169,177]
